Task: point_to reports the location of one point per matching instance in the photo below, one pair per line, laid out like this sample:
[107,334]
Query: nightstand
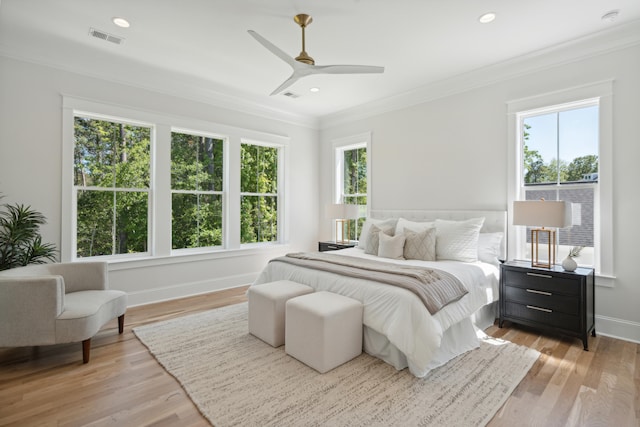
[551,299]
[334,246]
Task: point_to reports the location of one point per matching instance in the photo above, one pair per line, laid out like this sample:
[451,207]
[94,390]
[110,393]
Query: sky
[578,131]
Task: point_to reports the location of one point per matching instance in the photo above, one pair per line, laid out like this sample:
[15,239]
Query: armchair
[57,303]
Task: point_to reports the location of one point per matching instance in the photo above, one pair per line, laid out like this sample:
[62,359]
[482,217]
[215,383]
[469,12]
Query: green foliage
[355,186]
[20,240]
[197,171]
[259,194]
[112,172]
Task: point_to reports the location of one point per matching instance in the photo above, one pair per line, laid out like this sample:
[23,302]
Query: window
[562,150]
[560,162]
[111,183]
[197,181]
[352,176]
[145,186]
[259,193]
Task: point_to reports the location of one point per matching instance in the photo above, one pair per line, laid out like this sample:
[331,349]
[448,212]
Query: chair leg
[121,324]
[86,350]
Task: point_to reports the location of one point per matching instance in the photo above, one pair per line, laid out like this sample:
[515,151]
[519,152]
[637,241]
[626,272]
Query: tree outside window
[111,180]
[197,190]
[258,193]
[354,184]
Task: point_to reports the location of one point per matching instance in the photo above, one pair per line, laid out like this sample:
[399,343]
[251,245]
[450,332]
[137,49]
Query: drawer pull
[546,310]
[546,276]
[533,291]
[332,247]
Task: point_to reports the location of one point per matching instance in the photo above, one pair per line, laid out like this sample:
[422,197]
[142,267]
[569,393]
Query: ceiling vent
[105,36]
[291,94]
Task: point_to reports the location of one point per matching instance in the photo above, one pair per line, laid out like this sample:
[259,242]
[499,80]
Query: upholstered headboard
[494,221]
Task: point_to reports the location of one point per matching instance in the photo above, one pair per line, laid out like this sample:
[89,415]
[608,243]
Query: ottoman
[267,308]
[323,330]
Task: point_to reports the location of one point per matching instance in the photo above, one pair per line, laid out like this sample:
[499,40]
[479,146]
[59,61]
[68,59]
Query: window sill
[116,264]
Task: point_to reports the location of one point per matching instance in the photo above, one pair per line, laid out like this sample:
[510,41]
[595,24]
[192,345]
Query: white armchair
[57,303]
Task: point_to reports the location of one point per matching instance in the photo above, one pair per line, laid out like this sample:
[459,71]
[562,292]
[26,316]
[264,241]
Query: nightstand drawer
[545,299]
[542,316]
[541,281]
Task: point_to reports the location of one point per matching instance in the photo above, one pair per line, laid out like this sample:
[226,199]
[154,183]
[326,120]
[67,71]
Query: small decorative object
[569,263]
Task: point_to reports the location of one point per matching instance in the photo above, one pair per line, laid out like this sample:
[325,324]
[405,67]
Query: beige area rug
[237,380]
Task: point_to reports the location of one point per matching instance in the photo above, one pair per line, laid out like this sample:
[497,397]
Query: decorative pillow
[404,224]
[382,223]
[489,247]
[391,246]
[373,238]
[420,244]
[458,240]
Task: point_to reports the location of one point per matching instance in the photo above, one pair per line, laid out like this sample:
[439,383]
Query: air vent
[105,36]
[291,94]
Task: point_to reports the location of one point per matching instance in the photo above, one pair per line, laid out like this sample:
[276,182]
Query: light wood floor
[123,385]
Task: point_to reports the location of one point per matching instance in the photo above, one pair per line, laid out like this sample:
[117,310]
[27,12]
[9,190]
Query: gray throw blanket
[435,289]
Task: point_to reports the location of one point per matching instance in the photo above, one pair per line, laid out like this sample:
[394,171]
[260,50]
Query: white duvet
[397,313]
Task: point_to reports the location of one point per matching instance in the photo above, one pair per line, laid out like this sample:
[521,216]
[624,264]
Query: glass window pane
[259,169]
[196,221]
[196,162]
[109,154]
[94,233]
[540,149]
[131,222]
[578,144]
[259,222]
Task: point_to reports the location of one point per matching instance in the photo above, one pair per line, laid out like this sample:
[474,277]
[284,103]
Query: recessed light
[315,89]
[121,22]
[487,17]
[610,16]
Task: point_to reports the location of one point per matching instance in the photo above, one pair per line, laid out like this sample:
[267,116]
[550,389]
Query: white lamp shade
[542,213]
[342,211]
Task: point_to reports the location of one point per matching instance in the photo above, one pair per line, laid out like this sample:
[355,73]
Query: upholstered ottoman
[267,308]
[323,330]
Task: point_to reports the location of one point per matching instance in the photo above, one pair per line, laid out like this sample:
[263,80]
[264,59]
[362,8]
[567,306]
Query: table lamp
[342,213]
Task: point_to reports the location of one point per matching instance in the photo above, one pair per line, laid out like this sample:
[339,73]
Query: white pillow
[489,247]
[382,223]
[405,224]
[458,240]
[373,237]
[391,246]
[420,244]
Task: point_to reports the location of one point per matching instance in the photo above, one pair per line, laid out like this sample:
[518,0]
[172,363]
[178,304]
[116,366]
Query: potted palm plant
[20,239]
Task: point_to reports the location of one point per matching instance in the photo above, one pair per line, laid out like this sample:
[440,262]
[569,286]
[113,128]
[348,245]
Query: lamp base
[551,248]
[341,223]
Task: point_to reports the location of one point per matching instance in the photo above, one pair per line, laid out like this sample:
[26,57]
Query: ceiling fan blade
[347,69]
[273,48]
[291,80]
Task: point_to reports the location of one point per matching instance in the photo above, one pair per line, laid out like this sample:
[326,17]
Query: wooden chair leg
[121,324]
[86,350]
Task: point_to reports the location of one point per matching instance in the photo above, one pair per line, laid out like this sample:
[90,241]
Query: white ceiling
[204,43]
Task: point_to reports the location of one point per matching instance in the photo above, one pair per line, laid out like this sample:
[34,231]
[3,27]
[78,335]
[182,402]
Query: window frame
[280,199]
[602,92]
[339,146]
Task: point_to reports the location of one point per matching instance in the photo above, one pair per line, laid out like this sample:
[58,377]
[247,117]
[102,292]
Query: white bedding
[397,315]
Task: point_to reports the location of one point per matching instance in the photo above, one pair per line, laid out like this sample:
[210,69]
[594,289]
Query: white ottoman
[323,330]
[267,308]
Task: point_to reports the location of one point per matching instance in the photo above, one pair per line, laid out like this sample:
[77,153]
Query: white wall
[451,153]
[30,173]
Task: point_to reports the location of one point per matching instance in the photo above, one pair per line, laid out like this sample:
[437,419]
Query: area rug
[237,380]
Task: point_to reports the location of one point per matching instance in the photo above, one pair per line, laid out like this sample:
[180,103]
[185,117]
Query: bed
[398,328]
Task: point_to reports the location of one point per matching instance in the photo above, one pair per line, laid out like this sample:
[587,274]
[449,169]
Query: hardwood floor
[123,384]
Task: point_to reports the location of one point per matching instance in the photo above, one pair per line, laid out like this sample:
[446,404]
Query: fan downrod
[303,20]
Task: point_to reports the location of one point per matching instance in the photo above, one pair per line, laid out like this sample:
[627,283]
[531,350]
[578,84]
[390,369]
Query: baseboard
[618,328]
[183,290]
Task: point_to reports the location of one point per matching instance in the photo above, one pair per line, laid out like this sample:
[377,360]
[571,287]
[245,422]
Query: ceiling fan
[304,65]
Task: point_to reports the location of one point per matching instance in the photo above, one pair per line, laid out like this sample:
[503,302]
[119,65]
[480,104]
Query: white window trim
[338,147]
[160,187]
[603,217]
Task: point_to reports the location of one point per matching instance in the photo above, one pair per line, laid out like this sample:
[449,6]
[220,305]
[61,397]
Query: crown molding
[592,45]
